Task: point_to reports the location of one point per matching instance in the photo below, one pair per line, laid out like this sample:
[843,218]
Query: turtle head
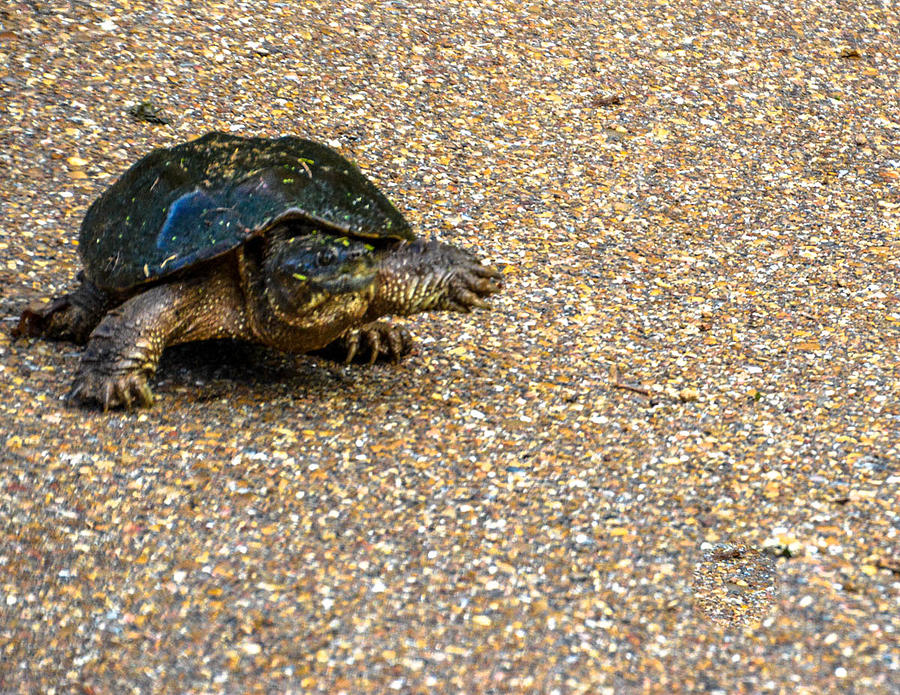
[307,270]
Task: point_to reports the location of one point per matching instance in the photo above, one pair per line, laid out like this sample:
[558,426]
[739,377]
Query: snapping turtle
[281,242]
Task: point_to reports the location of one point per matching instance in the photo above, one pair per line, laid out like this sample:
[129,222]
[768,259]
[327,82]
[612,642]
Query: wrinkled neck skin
[322,320]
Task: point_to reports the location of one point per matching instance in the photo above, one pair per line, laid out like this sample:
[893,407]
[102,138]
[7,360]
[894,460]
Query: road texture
[666,461]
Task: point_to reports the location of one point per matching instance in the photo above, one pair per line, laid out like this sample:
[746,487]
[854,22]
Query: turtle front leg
[123,352]
[121,356]
[431,276]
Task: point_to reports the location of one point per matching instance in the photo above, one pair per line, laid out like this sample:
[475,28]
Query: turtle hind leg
[69,317]
[374,341]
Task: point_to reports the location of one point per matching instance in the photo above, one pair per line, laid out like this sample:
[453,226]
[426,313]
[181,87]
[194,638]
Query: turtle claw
[370,343]
[123,390]
[470,286]
[470,299]
[107,395]
[374,344]
[352,347]
[385,341]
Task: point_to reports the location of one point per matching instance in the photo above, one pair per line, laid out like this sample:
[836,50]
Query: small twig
[890,565]
[631,387]
[609,99]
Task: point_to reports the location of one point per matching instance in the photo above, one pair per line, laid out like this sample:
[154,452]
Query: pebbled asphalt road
[666,461]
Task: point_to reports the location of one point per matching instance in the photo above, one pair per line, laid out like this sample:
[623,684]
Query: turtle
[278,241]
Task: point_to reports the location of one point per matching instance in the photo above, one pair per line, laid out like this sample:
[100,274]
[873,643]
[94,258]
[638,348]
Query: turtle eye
[325,257]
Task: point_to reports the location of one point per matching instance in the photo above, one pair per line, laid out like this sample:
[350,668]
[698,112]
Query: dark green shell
[182,205]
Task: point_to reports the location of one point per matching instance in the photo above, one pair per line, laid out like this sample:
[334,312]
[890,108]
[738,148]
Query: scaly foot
[111,390]
[375,341]
[116,365]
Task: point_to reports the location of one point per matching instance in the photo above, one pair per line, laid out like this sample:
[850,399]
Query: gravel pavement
[666,461]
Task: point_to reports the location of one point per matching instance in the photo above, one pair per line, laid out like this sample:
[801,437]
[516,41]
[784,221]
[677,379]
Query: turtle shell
[185,204]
